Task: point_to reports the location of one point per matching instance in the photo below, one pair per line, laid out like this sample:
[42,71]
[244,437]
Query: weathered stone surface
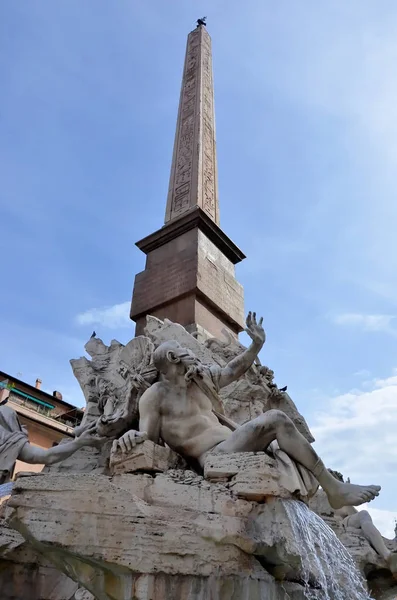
[84,460]
[159,332]
[10,540]
[182,587]
[104,363]
[220,466]
[25,575]
[186,490]
[146,457]
[112,383]
[387,595]
[244,400]
[258,487]
[173,542]
[367,560]
[252,475]
[176,523]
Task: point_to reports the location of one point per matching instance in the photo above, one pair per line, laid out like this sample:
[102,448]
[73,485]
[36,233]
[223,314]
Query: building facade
[47,418]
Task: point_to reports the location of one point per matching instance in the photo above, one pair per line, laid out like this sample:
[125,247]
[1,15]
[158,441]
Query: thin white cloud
[356,434]
[362,373]
[112,317]
[370,323]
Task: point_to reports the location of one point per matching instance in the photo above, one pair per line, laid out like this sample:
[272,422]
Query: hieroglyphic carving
[181,190]
[209,158]
[195,139]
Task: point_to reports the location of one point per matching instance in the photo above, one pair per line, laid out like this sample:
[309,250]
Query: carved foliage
[113,381]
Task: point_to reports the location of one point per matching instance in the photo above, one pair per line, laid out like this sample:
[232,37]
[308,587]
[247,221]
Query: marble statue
[362,521]
[14,444]
[112,383]
[279,399]
[184,410]
[228,348]
[272,396]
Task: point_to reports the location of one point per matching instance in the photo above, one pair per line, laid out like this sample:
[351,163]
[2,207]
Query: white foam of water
[329,572]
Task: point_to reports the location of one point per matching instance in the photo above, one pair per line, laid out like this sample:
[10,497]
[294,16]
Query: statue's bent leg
[254,436]
[257,434]
[362,520]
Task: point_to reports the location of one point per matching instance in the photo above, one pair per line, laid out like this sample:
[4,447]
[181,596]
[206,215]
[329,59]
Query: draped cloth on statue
[13,437]
[293,477]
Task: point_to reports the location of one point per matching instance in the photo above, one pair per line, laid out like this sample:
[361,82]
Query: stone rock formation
[370,564]
[143,523]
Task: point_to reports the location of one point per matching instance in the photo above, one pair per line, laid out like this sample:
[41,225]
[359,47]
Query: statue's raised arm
[237,367]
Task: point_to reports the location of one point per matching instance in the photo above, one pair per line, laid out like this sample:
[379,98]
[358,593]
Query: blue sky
[306,111]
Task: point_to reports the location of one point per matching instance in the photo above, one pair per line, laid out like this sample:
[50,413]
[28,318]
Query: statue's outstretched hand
[90,437]
[129,440]
[255,330]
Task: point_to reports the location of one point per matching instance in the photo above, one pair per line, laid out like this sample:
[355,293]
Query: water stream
[329,572]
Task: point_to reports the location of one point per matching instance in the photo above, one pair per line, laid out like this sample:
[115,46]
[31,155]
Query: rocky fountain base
[150,531]
[146,526]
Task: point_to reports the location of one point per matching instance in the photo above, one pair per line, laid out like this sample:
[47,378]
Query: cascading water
[329,572]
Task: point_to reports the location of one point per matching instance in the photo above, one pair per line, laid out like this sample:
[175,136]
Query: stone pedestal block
[145,458]
[251,475]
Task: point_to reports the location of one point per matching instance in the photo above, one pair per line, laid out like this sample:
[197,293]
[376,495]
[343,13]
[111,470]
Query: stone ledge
[193,218]
[146,457]
[251,475]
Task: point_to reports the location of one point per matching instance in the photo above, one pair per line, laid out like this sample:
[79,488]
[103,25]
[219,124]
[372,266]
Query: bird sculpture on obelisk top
[190,275]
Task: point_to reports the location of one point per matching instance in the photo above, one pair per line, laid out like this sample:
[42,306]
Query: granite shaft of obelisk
[189,275]
[193,180]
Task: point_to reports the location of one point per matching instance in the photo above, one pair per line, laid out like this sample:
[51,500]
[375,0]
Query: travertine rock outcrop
[25,574]
[371,565]
[116,535]
[145,524]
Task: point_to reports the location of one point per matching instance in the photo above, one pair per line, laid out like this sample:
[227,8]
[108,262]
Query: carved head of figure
[172,357]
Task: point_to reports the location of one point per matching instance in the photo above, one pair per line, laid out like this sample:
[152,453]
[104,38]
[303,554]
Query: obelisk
[189,275]
[194,181]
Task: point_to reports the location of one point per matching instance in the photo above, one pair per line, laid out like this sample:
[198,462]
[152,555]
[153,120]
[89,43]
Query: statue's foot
[392,562]
[348,494]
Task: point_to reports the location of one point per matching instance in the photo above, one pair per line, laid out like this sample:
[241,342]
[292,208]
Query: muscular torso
[187,423]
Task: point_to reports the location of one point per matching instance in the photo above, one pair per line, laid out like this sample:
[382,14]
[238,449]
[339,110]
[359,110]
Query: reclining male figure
[178,410]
